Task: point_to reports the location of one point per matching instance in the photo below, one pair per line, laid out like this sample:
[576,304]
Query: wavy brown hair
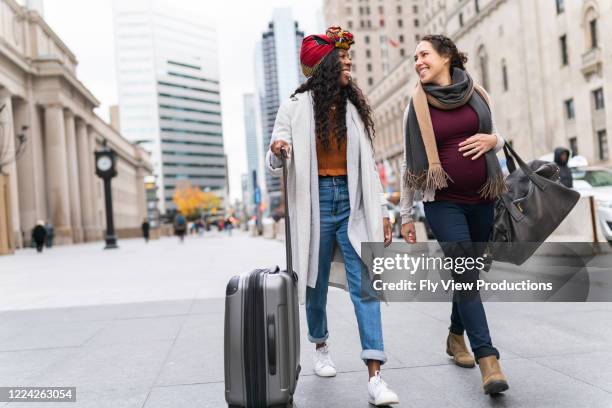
[447,48]
[327,92]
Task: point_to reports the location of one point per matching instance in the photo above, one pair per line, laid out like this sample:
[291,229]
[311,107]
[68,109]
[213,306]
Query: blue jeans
[334,214]
[462,230]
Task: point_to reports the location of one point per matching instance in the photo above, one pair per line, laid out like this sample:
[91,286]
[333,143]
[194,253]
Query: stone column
[30,167]
[95,187]
[76,219]
[86,169]
[58,191]
[140,191]
[7,136]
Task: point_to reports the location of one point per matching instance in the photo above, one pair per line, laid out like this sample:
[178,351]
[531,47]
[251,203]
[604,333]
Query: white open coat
[295,124]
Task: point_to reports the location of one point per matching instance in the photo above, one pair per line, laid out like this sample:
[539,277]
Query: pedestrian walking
[50,234]
[450,146]
[562,156]
[180,227]
[228,226]
[336,193]
[39,235]
[145,227]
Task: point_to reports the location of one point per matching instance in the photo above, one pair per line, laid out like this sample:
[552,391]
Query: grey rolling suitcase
[262,334]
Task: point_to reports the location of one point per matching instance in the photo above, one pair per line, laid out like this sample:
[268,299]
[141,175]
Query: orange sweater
[331,162]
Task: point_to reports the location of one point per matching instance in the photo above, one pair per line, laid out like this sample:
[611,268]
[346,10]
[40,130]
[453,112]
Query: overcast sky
[87,29]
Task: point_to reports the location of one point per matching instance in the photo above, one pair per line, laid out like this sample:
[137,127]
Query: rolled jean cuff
[318,340]
[378,355]
[485,351]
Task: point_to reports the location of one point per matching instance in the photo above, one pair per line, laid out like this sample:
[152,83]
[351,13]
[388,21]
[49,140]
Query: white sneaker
[379,391]
[323,364]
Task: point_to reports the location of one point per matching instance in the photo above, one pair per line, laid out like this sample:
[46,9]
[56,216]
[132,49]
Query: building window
[602,140]
[560,6]
[360,11]
[350,24]
[417,37]
[369,67]
[370,81]
[368,54]
[402,52]
[399,9]
[381,10]
[573,142]
[505,75]
[352,52]
[593,32]
[415,9]
[369,23]
[368,10]
[400,23]
[401,38]
[477,6]
[598,98]
[348,11]
[367,39]
[361,24]
[460,19]
[483,65]
[569,109]
[563,46]
[416,22]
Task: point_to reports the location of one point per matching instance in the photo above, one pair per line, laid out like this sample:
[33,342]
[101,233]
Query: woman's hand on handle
[409,233]
[277,145]
[388,231]
[477,145]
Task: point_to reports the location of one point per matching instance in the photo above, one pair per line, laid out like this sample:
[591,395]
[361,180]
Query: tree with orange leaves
[191,201]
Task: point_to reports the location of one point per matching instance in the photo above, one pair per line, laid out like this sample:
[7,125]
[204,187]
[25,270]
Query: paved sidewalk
[143,327]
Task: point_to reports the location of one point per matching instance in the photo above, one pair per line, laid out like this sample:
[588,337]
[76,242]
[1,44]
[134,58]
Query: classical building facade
[385,31]
[547,65]
[54,178]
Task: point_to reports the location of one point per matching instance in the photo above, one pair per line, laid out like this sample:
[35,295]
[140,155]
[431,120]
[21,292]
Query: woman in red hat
[336,200]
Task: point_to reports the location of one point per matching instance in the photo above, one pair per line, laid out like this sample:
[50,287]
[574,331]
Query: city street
[142,326]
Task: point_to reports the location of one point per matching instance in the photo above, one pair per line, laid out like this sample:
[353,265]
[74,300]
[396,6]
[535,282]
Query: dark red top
[452,127]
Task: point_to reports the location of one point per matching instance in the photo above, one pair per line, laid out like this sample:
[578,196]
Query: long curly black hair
[327,92]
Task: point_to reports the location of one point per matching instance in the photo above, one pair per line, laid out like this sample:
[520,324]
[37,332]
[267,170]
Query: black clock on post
[106,170]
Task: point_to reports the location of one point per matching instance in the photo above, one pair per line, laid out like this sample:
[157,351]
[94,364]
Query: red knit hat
[316,47]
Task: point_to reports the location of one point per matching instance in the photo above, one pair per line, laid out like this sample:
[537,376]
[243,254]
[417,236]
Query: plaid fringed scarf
[423,168]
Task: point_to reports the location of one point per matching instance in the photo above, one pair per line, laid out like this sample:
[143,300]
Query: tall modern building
[250,132]
[169,99]
[278,74]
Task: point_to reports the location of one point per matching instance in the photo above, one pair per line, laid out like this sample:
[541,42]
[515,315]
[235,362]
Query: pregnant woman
[450,146]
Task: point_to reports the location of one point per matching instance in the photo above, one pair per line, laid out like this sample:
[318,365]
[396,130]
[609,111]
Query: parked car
[597,181]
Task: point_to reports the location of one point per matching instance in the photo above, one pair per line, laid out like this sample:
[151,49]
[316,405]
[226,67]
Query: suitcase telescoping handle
[284,155]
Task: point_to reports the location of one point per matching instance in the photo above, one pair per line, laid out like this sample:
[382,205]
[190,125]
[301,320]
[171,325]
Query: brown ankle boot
[493,380]
[456,348]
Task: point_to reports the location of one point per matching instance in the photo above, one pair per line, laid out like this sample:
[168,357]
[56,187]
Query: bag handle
[511,155]
[509,160]
[284,155]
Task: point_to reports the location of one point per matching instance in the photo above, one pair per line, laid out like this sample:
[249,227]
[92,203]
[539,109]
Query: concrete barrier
[280,230]
[269,230]
[581,225]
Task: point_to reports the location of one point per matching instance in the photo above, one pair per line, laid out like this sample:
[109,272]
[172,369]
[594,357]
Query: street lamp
[106,169]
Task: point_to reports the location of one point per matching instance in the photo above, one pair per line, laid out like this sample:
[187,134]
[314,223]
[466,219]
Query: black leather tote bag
[534,206]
